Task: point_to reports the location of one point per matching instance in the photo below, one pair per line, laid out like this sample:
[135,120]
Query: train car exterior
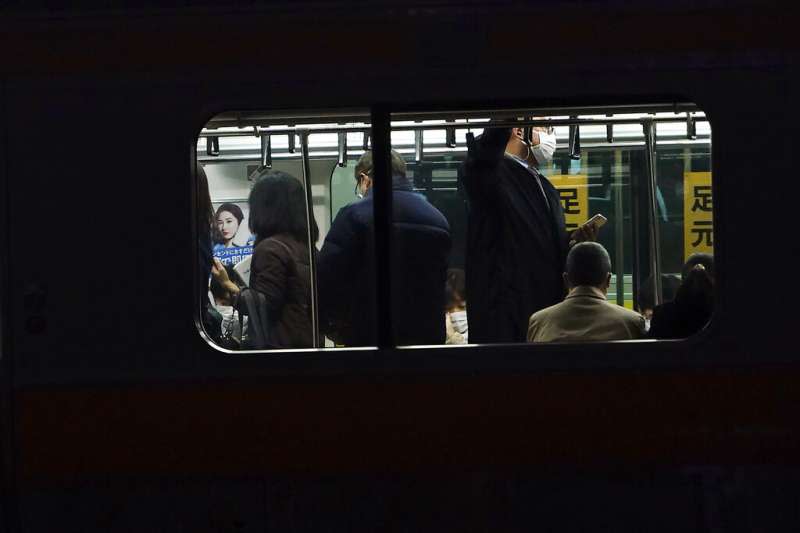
[119,415]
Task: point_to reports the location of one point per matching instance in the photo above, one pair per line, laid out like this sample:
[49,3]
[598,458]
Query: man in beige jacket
[586,314]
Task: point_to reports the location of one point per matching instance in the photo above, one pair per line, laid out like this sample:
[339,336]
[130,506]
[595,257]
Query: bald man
[586,314]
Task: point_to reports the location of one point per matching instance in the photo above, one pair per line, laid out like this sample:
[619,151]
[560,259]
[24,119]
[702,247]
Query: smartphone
[597,221]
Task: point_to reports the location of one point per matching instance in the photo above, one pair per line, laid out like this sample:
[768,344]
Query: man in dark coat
[346,266]
[516,237]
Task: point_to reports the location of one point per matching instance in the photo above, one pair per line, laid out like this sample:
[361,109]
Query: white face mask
[543,152]
[459,321]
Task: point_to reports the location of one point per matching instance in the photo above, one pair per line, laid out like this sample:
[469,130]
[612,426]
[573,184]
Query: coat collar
[586,291]
[399,183]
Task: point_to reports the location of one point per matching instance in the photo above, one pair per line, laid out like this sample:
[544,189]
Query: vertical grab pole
[381,146]
[619,230]
[654,239]
[312,256]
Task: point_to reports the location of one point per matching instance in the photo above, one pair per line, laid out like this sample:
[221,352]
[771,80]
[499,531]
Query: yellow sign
[574,193]
[698,224]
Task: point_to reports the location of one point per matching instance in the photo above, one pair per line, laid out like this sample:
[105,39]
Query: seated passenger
[347,273]
[691,309]
[280,267]
[456,311]
[647,301]
[586,314]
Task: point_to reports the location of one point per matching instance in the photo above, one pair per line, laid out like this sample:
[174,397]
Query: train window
[271,190]
[507,226]
[492,254]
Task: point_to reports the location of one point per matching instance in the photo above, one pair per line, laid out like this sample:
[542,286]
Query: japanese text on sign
[698,225]
[574,194]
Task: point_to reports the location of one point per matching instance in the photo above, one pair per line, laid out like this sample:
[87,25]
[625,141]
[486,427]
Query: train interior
[602,164]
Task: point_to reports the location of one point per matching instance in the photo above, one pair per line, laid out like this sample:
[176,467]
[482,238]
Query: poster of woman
[234,242]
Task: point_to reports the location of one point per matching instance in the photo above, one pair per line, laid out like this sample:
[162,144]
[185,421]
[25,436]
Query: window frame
[548,354]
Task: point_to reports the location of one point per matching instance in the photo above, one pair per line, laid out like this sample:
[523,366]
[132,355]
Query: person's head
[229,217]
[697,285]
[456,289]
[278,205]
[588,263]
[646,299]
[536,151]
[365,171]
[706,260]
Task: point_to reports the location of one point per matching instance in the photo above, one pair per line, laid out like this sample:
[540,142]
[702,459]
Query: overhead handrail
[305,116]
[283,130]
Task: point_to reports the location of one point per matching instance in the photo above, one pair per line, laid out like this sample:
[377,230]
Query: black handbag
[253,305]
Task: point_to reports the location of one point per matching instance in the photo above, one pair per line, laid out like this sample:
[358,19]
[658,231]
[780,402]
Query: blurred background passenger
[228,217]
[225,288]
[206,229]
[420,250]
[280,268]
[646,299]
[586,314]
[456,311]
[691,309]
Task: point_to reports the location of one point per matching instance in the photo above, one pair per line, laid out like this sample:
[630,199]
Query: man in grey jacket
[586,314]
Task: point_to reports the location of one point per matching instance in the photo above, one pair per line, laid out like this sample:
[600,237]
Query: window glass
[483,225]
[278,272]
[489,213]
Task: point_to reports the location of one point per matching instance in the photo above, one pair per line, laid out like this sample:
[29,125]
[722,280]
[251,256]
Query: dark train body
[118,415]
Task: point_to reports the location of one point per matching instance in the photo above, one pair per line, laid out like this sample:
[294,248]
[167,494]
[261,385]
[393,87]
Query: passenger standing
[516,234]
[691,309]
[280,268]
[346,266]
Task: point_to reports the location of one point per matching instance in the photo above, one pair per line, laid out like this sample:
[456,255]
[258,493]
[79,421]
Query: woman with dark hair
[280,267]
[691,309]
[229,217]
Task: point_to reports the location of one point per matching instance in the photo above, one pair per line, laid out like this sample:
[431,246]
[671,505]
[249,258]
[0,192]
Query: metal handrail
[654,237]
[256,131]
[312,256]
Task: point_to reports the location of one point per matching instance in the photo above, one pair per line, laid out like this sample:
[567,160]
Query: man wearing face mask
[346,265]
[516,237]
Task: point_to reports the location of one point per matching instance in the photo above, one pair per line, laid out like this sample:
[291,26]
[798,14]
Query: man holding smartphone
[517,240]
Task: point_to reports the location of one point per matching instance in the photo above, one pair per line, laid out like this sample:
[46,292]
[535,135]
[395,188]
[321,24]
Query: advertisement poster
[234,242]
